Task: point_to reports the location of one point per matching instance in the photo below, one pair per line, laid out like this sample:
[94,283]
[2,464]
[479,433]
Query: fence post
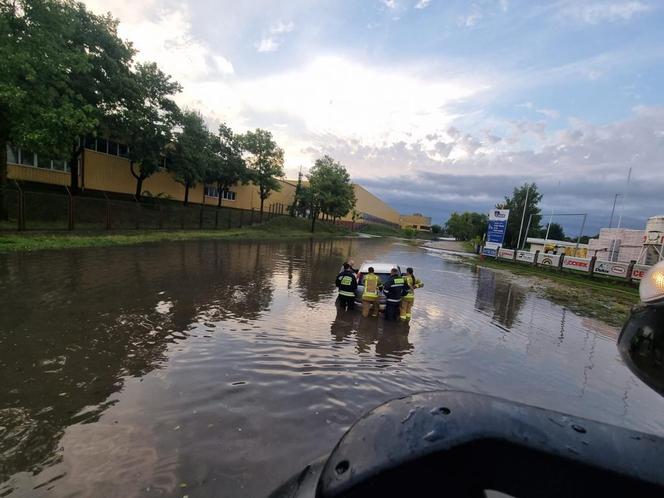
[216,219]
[591,270]
[251,221]
[108,211]
[241,216]
[21,207]
[536,257]
[161,215]
[560,262]
[630,269]
[230,219]
[138,213]
[200,218]
[70,210]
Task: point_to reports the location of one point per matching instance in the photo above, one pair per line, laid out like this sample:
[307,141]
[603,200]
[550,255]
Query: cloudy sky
[434,105]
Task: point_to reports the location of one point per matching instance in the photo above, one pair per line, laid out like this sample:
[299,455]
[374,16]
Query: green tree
[39,108]
[516,206]
[556,232]
[191,154]
[436,229]
[228,168]
[466,226]
[149,121]
[266,163]
[330,190]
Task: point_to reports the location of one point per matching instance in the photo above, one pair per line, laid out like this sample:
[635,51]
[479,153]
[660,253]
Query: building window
[12,154]
[27,158]
[123,150]
[90,142]
[211,191]
[102,145]
[112,148]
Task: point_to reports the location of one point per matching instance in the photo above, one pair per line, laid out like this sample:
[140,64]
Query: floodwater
[215,368]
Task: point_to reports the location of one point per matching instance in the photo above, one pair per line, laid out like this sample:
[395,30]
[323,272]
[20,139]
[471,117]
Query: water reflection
[498,296]
[390,339]
[137,370]
[76,324]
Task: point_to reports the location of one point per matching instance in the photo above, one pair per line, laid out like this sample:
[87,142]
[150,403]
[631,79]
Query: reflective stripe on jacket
[416,284]
[371,286]
[346,283]
[395,288]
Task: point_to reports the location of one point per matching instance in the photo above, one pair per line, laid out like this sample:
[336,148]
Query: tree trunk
[139,180]
[313,222]
[4,213]
[186,193]
[261,215]
[219,197]
[73,167]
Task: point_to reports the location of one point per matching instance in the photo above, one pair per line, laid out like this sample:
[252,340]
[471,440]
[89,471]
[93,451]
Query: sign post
[495,234]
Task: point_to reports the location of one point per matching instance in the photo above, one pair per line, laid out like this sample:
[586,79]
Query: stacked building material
[617,244]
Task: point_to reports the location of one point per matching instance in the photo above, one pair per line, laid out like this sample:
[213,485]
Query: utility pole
[548,226]
[613,209]
[622,210]
[298,190]
[523,217]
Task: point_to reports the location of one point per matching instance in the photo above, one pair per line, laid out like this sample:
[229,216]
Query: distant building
[104,166]
[625,245]
[416,221]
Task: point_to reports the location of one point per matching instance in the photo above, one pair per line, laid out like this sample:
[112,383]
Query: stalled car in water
[382,270]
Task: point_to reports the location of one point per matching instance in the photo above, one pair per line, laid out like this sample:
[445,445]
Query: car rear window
[383,277]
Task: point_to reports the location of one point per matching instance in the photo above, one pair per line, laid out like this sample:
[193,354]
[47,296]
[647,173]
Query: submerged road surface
[218,369]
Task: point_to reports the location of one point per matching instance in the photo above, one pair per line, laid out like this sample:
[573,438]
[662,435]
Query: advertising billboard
[611,268]
[495,233]
[579,264]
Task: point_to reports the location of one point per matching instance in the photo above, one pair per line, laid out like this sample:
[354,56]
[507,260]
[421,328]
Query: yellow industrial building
[415,221]
[103,168]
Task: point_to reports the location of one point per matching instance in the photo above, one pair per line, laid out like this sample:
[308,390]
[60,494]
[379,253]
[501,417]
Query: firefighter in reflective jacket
[372,286]
[347,283]
[409,299]
[395,288]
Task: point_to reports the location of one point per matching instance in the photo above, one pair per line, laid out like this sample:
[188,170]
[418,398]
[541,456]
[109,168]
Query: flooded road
[213,368]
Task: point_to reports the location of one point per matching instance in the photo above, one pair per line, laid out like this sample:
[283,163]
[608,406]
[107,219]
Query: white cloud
[282,27]
[267,45]
[390,4]
[599,12]
[272,41]
[422,4]
[165,38]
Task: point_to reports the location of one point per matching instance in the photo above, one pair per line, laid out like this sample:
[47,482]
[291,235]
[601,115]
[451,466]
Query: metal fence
[31,210]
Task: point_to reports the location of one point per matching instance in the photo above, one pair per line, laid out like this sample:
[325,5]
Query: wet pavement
[215,368]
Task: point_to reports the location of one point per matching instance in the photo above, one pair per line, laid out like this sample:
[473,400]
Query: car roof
[378,267]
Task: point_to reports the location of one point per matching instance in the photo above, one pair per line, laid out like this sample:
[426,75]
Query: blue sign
[495,234]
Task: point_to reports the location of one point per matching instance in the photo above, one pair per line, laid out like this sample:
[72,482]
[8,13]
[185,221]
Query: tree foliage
[265,161]
[227,168]
[515,204]
[436,229]
[148,122]
[191,154]
[330,190]
[556,232]
[466,226]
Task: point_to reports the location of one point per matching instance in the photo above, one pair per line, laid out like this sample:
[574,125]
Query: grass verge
[596,297]
[278,228]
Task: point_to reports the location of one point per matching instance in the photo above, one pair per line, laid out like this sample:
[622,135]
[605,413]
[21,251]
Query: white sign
[499,214]
[611,268]
[579,264]
[525,256]
[548,259]
[506,253]
[639,271]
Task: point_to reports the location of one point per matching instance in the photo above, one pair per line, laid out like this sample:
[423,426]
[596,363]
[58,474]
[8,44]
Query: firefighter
[372,285]
[409,298]
[346,282]
[395,288]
